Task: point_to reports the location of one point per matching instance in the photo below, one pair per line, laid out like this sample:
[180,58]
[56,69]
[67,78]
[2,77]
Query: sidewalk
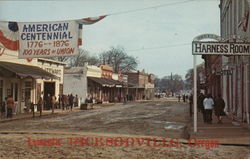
[230,132]
[48,113]
[37,114]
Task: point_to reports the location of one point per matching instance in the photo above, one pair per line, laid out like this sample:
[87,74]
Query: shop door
[49,90]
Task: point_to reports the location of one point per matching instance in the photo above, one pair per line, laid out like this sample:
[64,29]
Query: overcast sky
[159,37]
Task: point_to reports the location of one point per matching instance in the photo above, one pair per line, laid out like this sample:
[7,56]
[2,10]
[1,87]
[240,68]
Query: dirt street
[165,119]
[102,133]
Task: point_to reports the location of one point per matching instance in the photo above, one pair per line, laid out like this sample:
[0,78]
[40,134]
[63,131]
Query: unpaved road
[159,119]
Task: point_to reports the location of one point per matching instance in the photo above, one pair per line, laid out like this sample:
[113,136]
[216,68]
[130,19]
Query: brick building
[140,85]
[235,86]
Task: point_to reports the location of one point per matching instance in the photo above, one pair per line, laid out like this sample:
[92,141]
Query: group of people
[67,101]
[184,97]
[63,102]
[206,105]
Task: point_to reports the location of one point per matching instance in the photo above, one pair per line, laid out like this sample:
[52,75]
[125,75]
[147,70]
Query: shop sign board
[48,39]
[224,72]
[220,48]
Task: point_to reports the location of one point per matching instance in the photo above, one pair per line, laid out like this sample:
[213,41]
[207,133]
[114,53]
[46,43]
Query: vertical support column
[195,94]
[247,92]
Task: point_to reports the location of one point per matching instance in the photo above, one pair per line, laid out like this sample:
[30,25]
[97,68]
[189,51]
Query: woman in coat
[219,108]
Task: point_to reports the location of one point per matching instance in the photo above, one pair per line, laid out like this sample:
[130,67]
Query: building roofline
[52,61]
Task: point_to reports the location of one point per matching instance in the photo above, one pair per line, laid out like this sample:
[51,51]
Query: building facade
[234,85]
[26,79]
[140,85]
[75,82]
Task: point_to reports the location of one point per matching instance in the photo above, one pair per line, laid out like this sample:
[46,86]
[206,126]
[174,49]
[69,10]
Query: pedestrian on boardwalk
[10,106]
[67,105]
[179,98]
[190,105]
[200,105]
[219,106]
[76,101]
[71,98]
[184,98]
[208,107]
[64,101]
[200,100]
[60,101]
[53,103]
[40,105]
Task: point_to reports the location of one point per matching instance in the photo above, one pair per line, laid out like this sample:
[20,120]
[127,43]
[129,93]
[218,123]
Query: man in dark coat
[200,105]
[219,106]
[71,101]
[200,102]
[190,105]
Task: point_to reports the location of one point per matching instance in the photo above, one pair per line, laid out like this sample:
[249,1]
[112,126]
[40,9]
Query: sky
[158,33]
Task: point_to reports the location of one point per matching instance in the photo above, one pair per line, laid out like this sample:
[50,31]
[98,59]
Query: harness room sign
[219,48]
[48,39]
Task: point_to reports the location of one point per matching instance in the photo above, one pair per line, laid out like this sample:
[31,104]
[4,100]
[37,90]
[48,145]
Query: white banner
[219,48]
[48,39]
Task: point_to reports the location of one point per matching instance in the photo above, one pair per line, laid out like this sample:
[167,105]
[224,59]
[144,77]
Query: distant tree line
[169,84]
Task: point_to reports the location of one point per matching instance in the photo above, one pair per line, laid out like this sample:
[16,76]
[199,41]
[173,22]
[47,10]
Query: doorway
[49,90]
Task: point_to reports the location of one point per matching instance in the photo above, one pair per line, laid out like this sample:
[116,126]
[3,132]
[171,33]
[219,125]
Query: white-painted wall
[76,84]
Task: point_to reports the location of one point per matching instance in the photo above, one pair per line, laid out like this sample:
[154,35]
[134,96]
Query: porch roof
[26,70]
[106,82]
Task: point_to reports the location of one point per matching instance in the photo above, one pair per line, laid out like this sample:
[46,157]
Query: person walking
[190,105]
[60,101]
[71,99]
[10,106]
[76,101]
[68,102]
[64,101]
[53,103]
[40,105]
[219,106]
[184,98]
[200,105]
[208,107]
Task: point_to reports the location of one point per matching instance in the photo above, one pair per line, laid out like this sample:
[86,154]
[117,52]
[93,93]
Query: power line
[159,47]
[153,7]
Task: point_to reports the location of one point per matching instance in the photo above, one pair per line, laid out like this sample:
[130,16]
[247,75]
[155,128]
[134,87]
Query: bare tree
[82,58]
[61,58]
[189,82]
[119,60]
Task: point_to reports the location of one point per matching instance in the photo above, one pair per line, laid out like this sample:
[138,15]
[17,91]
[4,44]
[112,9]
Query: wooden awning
[26,70]
[106,82]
